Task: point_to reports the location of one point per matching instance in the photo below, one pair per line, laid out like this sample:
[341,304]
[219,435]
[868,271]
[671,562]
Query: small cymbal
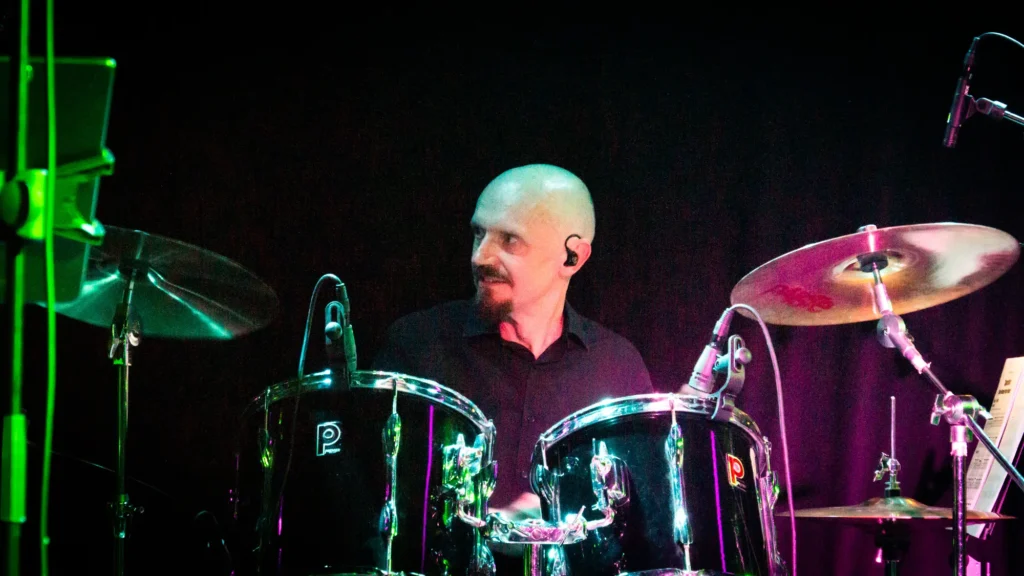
[927,265]
[895,508]
[180,291]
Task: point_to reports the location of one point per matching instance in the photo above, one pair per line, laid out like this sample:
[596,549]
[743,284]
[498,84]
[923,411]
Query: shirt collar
[574,324]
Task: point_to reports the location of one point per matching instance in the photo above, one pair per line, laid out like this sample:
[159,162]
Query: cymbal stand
[125,333]
[891,536]
[958,411]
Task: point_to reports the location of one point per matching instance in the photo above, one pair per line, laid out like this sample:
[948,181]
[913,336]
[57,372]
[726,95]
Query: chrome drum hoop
[654,403]
[377,380]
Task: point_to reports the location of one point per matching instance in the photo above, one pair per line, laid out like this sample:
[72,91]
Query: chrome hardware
[482,563]
[954,408]
[888,464]
[391,437]
[542,560]
[725,397]
[532,531]
[681,529]
[608,480]
[461,465]
[891,466]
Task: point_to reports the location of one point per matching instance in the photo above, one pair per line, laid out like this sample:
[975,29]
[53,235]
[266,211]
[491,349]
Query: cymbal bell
[180,290]
[897,508]
[924,265]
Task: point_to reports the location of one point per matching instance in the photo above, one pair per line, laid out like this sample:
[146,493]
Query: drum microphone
[338,330]
[959,110]
[704,369]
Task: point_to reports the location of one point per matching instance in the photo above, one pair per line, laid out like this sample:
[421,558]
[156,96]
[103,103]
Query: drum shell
[320,513]
[730,518]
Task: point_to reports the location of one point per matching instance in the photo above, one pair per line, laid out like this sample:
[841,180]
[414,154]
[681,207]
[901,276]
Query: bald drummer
[518,350]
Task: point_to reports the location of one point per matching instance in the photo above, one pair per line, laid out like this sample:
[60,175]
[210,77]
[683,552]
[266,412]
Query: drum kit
[344,471]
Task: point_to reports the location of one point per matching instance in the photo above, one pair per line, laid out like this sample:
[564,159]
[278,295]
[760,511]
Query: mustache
[490,273]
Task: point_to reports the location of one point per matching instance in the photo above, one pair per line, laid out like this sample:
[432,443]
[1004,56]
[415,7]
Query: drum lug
[266,450]
[772,490]
[769,496]
[391,438]
[387,525]
[460,468]
[681,528]
[608,479]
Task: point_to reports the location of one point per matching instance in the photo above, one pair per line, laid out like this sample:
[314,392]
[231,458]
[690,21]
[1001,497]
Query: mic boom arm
[993,109]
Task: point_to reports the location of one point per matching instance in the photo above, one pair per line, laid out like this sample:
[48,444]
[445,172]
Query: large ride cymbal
[896,508]
[928,264]
[180,291]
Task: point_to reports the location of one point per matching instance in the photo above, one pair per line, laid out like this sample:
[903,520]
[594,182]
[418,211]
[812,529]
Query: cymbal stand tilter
[958,411]
[125,334]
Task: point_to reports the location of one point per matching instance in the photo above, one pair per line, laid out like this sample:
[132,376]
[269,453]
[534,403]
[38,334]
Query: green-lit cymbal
[180,291]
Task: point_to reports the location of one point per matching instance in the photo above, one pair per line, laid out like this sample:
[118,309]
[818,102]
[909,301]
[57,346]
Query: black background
[302,139]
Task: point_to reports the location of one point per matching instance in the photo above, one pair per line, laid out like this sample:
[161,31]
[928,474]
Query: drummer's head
[523,223]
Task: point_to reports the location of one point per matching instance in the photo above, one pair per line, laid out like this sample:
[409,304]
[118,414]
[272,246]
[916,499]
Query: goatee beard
[492,311]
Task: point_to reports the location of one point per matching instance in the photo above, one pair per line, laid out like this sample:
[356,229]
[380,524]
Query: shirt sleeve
[642,377]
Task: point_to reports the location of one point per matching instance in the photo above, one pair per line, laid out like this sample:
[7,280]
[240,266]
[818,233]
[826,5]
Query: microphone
[704,369]
[958,111]
[338,336]
[348,337]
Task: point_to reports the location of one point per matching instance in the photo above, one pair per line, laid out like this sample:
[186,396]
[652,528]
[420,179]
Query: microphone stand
[958,411]
[14,456]
[993,109]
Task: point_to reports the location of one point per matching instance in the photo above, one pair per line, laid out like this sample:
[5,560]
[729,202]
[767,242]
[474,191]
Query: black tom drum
[350,480]
[679,492]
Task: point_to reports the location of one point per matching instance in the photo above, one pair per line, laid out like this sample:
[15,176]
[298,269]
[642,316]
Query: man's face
[517,253]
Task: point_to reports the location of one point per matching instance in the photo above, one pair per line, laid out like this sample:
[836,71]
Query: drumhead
[614,408]
[374,380]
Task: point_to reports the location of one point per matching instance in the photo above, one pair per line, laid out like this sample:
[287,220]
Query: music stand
[83,96]
[82,106]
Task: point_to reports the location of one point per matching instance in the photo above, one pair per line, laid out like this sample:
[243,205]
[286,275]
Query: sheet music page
[985,478]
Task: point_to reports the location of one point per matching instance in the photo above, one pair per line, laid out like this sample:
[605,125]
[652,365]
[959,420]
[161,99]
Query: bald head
[522,245]
[554,195]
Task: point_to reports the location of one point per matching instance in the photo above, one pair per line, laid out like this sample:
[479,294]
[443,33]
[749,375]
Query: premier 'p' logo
[735,469]
[328,437]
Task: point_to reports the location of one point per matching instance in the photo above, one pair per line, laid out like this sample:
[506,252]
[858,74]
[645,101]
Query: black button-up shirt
[522,395]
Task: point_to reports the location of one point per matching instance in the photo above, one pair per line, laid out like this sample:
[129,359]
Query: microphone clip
[334,329]
[732,363]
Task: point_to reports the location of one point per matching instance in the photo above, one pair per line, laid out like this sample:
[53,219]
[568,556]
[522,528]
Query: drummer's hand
[524,507]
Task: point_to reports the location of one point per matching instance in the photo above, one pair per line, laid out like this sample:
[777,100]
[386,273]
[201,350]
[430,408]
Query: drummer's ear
[577,253]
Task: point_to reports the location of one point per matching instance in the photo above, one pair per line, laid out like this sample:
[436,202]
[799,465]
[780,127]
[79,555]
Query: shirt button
[531,419]
[526,475]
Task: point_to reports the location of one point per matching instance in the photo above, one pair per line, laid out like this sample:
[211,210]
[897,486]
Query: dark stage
[300,140]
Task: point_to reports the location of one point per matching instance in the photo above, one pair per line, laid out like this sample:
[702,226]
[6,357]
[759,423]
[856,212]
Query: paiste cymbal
[928,264]
[896,508]
[181,291]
